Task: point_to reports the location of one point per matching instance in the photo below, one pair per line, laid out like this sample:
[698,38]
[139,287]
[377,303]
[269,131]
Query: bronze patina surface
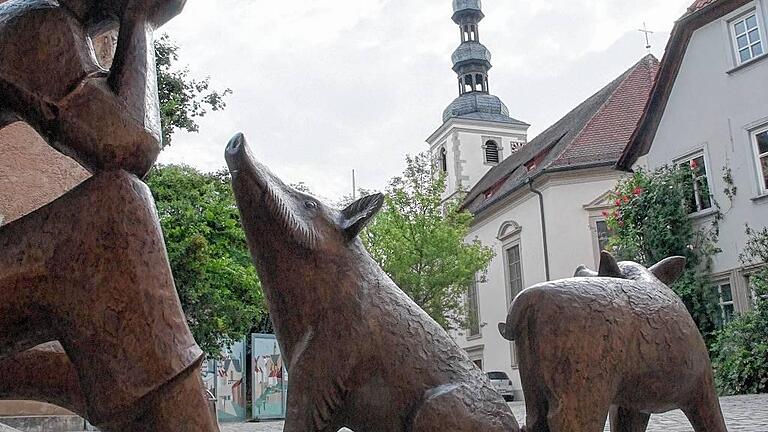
[360,353]
[619,340]
[90,270]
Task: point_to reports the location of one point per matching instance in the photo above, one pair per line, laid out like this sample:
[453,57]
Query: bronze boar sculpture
[90,269]
[361,354]
[619,340]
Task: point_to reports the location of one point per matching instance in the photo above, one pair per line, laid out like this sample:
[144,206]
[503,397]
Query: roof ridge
[623,82]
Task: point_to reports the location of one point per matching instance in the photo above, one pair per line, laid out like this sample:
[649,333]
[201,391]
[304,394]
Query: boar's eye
[310,205]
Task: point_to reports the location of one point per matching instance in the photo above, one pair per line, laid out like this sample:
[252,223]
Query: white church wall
[570,244]
[569,230]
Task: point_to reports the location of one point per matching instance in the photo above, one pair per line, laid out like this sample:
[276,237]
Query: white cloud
[322,87]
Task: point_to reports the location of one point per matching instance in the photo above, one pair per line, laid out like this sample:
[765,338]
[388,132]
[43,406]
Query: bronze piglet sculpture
[361,354]
[617,340]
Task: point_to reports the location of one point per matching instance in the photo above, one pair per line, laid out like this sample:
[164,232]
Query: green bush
[740,353]
[650,221]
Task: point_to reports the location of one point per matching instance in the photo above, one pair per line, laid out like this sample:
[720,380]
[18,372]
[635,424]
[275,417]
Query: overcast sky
[321,87]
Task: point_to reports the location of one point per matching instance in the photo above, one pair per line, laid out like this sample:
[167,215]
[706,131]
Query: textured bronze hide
[619,340]
[360,353]
[90,269]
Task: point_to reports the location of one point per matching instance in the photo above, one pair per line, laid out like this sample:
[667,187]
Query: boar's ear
[608,266]
[358,214]
[583,271]
[669,270]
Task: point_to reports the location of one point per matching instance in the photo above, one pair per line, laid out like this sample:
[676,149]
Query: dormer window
[491,152]
[747,37]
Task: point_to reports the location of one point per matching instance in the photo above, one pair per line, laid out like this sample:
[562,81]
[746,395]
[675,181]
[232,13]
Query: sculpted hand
[156,12]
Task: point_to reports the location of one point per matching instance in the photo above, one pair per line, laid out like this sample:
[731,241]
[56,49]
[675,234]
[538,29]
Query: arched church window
[491,152]
[472,33]
[443,160]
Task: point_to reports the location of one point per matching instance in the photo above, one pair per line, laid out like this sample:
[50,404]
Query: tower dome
[465,8]
[471,62]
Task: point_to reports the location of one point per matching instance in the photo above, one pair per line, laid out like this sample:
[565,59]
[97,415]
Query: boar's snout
[235,153]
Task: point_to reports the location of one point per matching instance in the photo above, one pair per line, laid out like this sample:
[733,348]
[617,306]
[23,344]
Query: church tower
[477,132]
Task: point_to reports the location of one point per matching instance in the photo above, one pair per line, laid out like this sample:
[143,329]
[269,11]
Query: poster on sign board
[270,379]
[230,384]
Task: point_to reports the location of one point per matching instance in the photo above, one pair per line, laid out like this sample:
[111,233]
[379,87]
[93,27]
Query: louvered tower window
[491,152]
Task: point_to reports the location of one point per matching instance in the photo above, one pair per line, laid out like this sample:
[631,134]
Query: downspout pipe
[543,228]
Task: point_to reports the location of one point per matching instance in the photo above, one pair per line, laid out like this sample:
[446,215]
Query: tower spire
[471,60]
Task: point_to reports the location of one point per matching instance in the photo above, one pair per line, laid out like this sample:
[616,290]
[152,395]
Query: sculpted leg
[177,406]
[704,411]
[579,412]
[45,374]
[624,420]
[453,409]
[536,405]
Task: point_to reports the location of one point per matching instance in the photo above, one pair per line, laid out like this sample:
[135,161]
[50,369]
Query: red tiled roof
[700,13]
[698,4]
[595,133]
[606,135]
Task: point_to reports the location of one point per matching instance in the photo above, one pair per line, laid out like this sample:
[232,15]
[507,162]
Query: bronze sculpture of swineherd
[90,269]
[361,354]
[619,339]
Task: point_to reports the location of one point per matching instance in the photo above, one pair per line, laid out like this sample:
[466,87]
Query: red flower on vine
[606,214]
[618,201]
[625,198]
[638,190]
[694,164]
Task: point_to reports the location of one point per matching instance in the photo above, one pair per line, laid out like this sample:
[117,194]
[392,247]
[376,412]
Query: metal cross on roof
[647,39]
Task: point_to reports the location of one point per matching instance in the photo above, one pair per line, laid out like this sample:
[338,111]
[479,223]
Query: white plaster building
[710,105]
[538,204]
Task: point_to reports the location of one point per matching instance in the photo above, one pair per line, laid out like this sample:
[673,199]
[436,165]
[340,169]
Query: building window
[516,145]
[514,271]
[701,198]
[515,286]
[603,235]
[443,160]
[491,152]
[760,139]
[747,38]
[724,295]
[473,311]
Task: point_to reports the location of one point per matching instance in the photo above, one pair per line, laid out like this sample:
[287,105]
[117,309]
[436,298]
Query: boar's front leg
[312,401]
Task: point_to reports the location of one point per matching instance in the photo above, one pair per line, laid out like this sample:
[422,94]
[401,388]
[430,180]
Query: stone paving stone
[742,414]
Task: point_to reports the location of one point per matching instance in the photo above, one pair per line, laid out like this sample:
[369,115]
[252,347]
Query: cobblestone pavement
[742,414]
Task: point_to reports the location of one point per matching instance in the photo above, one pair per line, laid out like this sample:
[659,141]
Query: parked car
[502,384]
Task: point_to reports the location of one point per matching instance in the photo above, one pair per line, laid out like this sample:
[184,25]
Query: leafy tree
[217,285]
[420,244]
[182,99]
[740,354]
[651,222]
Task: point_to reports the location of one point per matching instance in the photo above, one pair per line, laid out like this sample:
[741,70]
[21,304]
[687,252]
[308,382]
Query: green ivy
[740,353]
[651,221]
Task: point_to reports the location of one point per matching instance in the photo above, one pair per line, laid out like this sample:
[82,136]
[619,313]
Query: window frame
[512,242]
[473,287]
[687,159]
[733,35]
[762,178]
[721,304]
[499,150]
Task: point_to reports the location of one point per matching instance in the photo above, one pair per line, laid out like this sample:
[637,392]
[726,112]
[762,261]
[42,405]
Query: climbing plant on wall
[651,221]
